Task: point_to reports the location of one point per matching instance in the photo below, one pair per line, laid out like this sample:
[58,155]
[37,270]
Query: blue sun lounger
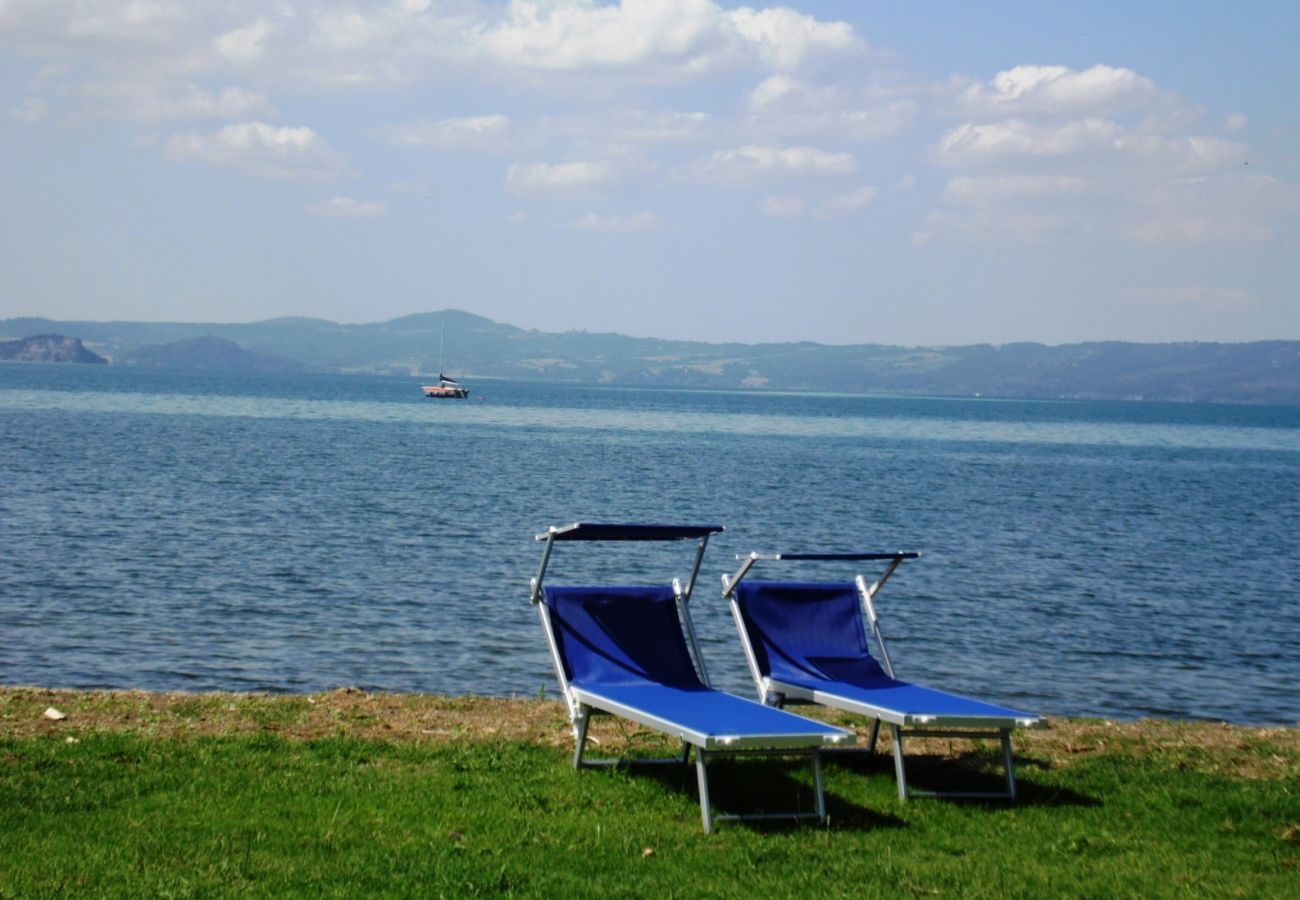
[807,642]
[631,651]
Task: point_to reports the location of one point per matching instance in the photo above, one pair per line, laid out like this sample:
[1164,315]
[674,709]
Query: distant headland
[1261,372]
[48,348]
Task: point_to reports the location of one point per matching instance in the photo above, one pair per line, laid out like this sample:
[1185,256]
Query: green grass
[129,814]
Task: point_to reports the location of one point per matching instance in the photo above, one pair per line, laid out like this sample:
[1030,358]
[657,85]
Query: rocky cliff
[53,348]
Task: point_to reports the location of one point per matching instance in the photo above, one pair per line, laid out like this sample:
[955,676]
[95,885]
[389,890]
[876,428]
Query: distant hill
[48,348]
[1258,372]
[208,352]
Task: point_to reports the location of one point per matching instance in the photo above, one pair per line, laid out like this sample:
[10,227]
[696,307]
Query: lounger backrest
[802,629]
[620,635]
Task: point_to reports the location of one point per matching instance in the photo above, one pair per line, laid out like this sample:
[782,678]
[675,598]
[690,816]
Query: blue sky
[900,173]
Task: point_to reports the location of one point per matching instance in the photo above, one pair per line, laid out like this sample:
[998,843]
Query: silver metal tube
[541,571]
[580,723]
[684,615]
[702,776]
[817,785]
[893,567]
[900,771]
[727,585]
[695,569]
[745,643]
[873,622]
[569,703]
[1009,761]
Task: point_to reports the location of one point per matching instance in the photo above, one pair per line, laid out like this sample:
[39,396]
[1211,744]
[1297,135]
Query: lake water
[192,531]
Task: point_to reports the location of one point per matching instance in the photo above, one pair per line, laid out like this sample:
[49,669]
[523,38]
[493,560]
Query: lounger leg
[875,732]
[702,775]
[1009,762]
[900,771]
[580,723]
[817,785]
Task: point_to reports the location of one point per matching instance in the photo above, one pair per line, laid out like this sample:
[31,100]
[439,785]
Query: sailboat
[446,388]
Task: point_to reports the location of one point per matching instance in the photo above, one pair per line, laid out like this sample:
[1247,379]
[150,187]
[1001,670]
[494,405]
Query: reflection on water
[852,424]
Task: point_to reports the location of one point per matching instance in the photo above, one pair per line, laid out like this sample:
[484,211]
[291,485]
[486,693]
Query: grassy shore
[351,793]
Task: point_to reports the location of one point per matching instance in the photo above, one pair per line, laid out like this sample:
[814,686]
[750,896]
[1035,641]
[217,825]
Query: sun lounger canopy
[605,531]
[837,557]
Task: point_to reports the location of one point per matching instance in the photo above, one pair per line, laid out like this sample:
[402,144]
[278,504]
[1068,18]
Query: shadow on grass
[752,786]
[972,771]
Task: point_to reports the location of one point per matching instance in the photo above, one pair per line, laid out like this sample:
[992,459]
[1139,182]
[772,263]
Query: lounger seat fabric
[809,636]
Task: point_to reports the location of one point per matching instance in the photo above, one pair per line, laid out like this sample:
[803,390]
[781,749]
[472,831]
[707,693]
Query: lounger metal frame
[584,704]
[777,693]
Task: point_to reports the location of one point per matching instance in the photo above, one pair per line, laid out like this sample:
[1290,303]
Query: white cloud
[757,161]
[1015,140]
[246,44]
[90,21]
[1235,122]
[323,45]
[994,188]
[781,205]
[1103,152]
[595,222]
[1059,91]
[1193,229]
[577,34]
[466,133]
[994,224]
[150,101]
[545,177]
[682,37]
[33,109]
[847,203]
[1144,204]
[347,208]
[972,143]
[255,148]
[832,207]
[773,90]
[782,107]
[785,38]
[1223,208]
[629,126]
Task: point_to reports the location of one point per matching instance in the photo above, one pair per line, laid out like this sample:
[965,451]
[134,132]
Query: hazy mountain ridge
[1257,372]
[209,352]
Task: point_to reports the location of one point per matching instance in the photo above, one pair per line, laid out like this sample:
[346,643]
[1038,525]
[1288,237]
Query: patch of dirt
[1238,751]
[1235,751]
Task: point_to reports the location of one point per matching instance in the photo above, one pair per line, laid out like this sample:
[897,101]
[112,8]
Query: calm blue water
[189,531]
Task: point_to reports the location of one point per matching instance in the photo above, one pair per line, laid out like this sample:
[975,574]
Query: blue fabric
[802,630]
[812,635]
[710,711]
[620,635]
